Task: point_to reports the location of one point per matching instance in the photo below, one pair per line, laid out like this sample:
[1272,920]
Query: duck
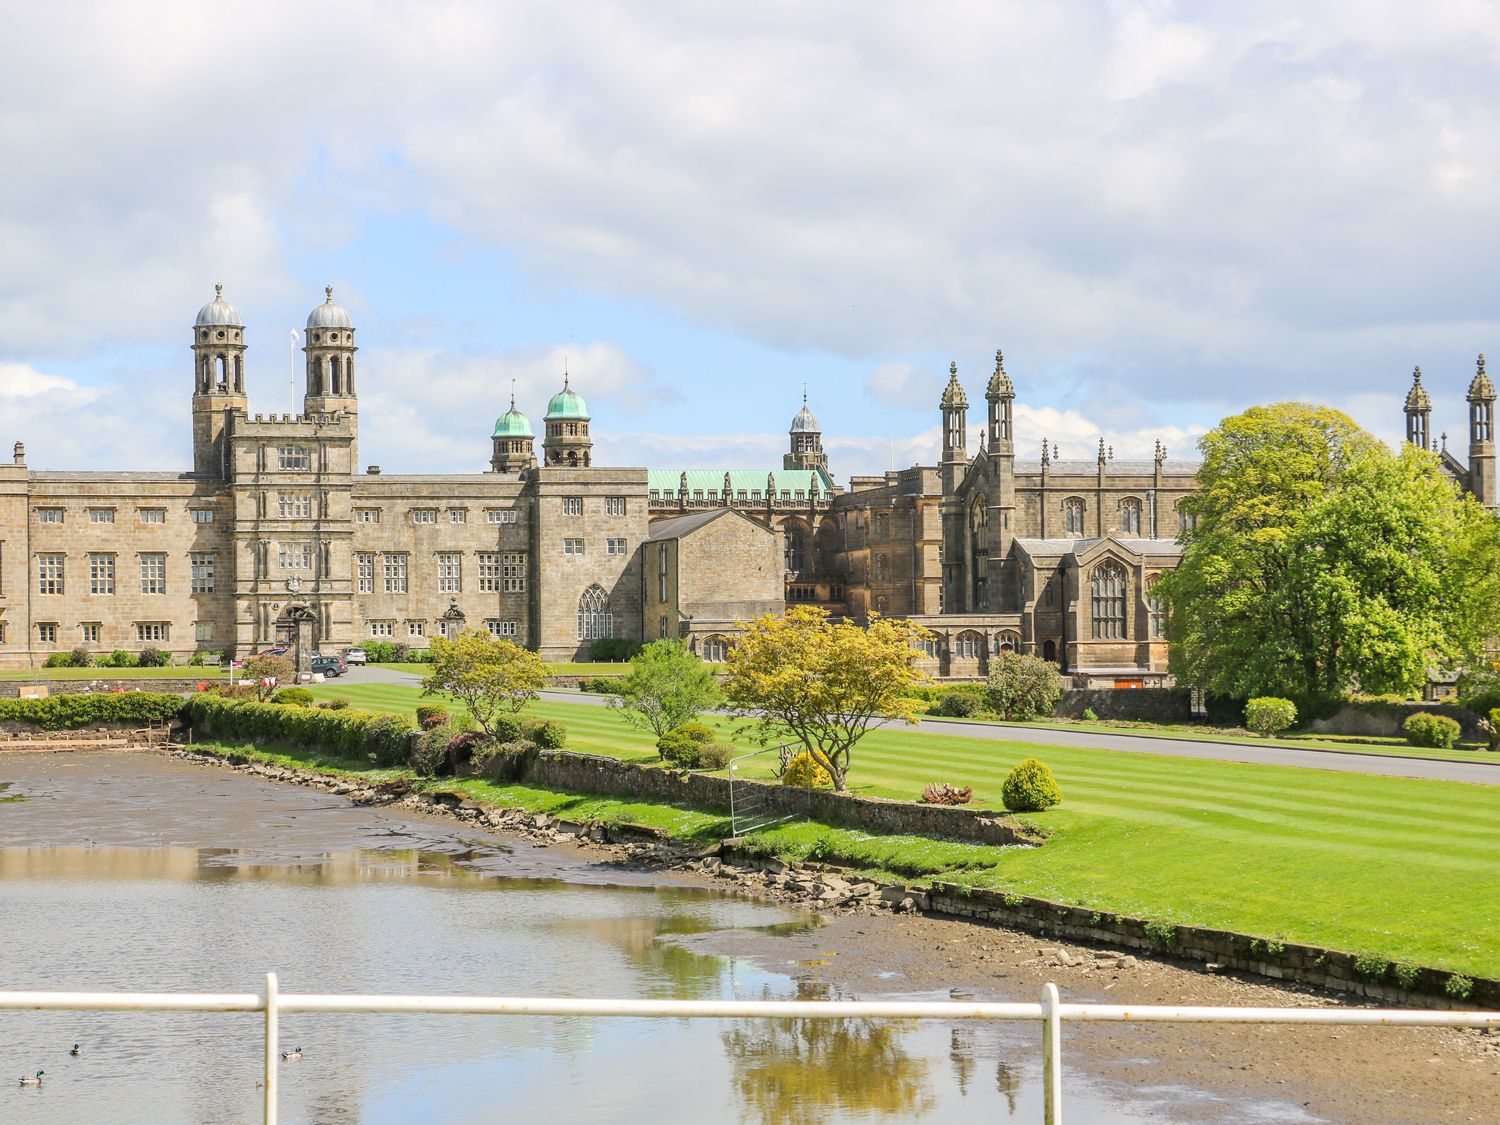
[292,1055]
[37,1081]
[74,1052]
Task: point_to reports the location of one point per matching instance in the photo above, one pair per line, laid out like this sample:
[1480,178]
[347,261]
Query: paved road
[1479,771]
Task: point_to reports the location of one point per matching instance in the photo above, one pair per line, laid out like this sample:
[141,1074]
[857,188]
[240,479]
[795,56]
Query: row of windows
[1130,517]
[51,570]
[430,515]
[613,505]
[742,495]
[107,515]
[417,630]
[92,632]
[498,572]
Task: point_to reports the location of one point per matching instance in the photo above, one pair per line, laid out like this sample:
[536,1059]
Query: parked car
[328,665]
[281,650]
[356,656]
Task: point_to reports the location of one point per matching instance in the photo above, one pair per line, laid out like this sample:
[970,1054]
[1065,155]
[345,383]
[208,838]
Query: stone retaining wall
[11,689]
[1148,705]
[25,732]
[589,773]
[1383,720]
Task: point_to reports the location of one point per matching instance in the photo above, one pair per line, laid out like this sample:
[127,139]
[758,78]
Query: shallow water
[132,872]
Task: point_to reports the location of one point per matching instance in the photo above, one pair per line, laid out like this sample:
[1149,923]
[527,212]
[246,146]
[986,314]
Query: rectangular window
[202,515]
[500,515]
[293,506]
[503,629]
[514,572]
[395,574]
[151,630]
[46,632]
[89,632]
[153,574]
[367,515]
[614,505]
[382,628]
[101,515]
[572,505]
[49,515]
[416,628]
[101,574]
[661,574]
[458,515]
[424,515]
[489,574]
[882,524]
[294,458]
[364,571]
[295,556]
[614,547]
[153,515]
[203,631]
[450,572]
[202,573]
[49,571]
[572,546]
[661,627]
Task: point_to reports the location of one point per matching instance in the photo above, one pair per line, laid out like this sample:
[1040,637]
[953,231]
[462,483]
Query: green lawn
[185,672]
[554,668]
[1396,866]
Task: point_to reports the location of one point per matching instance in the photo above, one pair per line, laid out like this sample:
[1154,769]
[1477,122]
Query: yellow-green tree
[487,676]
[801,676]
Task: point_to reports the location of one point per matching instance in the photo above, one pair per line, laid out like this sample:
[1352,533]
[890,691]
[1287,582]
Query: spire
[1000,384]
[1045,459]
[1481,389]
[1417,399]
[953,395]
[513,396]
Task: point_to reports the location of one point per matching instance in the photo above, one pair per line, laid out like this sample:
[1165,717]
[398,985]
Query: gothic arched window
[594,619]
[1130,516]
[715,649]
[1108,591]
[1073,516]
[1157,608]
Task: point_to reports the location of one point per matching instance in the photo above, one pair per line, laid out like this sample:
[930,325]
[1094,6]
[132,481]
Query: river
[134,871]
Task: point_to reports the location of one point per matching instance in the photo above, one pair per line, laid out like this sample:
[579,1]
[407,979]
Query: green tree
[667,686]
[1021,688]
[489,677]
[800,676]
[1321,562]
[268,673]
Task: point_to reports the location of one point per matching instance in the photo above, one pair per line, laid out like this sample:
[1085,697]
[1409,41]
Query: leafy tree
[800,676]
[268,673]
[1022,687]
[666,687]
[489,677]
[1268,716]
[1322,562]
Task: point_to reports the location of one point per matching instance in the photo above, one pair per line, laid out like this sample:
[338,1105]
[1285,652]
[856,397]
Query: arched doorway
[1049,651]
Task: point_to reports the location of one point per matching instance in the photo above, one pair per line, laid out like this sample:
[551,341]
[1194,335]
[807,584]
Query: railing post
[273,1048]
[1051,1056]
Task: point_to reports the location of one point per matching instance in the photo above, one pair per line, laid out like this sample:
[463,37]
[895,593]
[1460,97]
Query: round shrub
[958,705]
[1435,731]
[679,750]
[508,728]
[698,732]
[804,772]
[1030,787]
[1090,715]
[337,703]
[154,658]
[715,756]
[297,696]
[429,753]
[387,740]
[430,715]
[1267,715]
[1022,687]
[547,734]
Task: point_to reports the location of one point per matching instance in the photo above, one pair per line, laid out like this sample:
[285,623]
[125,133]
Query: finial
[1054,451]
[999,360]
[328,293]
[1111,453]
[512,395]
[1101,448]
[1416,374]
[1481,363]
[219,292]
[953,369]
[1445,441]
[804,394]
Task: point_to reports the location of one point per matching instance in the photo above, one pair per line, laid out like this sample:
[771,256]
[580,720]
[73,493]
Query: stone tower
[567,442]
[329,347]
[1418,413]
[514,443]
[1001,396]
[955,408]
[1482,439]
[218,381]
[806,450]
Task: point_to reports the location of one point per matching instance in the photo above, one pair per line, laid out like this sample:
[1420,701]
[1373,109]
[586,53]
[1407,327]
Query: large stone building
[276,536]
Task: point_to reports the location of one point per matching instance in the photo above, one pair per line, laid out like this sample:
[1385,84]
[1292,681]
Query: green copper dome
[513,424]
[567,403]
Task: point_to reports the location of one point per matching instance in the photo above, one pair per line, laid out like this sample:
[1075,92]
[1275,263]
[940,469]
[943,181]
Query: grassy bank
[179,672]
[554,668]
[1395,866]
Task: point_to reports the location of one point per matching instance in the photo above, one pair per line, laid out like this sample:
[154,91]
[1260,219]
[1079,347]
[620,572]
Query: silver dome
[329,315]
[805,421]
[218,312]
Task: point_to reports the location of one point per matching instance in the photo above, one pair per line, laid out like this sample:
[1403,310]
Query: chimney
[372,470]
[20,453]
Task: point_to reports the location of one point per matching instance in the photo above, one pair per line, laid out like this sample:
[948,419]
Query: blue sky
[1162,212]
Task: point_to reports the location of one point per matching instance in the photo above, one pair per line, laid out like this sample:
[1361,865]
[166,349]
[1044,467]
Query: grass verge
[177,672]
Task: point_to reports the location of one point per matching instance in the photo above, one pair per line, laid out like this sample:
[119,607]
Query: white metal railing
[1051,1013]
[749,802]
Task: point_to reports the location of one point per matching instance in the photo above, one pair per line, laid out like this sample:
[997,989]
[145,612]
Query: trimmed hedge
[384,739]
[1434,731]
[1030,787]
[68,712]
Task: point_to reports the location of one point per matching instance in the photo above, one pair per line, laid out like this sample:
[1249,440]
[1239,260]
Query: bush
[679,750]
[1022,687]
[1479,691]
[337,703]
[715,755]
[804,772]
[1090,715]
[508,728]
[1494,731]
[379,652]
[1268,715]
[430,715]
[545,734]
[58,660]
[1458,986]
[947,795]
[69,712]
[154,658]
[400,653]
[698,732]
[1435,731]
[82,657]
[959,705]
[299,696]
[1030,787]
[429,753]
[600,685]
[613,648]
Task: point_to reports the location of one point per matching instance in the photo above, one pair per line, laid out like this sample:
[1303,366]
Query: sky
[1163,213]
